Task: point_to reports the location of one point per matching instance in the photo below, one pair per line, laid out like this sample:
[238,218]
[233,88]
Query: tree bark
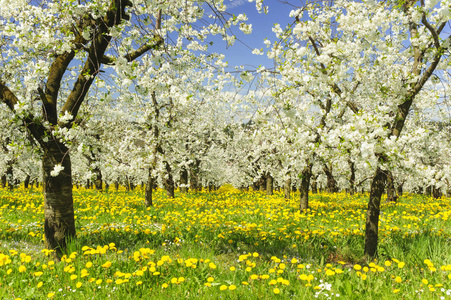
[148,201]
[352,189]
[59,227]
[391,192]
[193,175]
[262,183]
[269,184]
[436,193]
[98,183]
[287,189]
[183,180]
[26,182]
[314,185]
[3,181]
[304,188]
[373,211]
[168,181]
[331,182]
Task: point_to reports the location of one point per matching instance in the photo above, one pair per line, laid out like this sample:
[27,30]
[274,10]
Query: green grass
[226,245]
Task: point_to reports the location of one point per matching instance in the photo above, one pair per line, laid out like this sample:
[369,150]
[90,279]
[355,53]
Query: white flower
[56,170]
[66,117]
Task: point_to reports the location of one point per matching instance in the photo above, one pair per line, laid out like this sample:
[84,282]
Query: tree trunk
[149,188]
[262,183]
[168,182]
[352,188]
[331,182]
[193,176]
[98,183]
[59,225]
[391,192]
[436,193]
[314,185]
[304,188]
[26,182]
[428,191]
[3,181]
[116,185]
[255,186]
[287,189]
[400,189]
[269,184]
[183,180]
[373,211]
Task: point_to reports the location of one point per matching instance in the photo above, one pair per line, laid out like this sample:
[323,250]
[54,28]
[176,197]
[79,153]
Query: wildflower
[395,291]
[22,269]
[401,265]
[107,264]
[223,287]
[387,263]
[164,285]
[98,281]
[79,284]
[330,272]
[276,291]
[232,268]
[73,277]
[212,266]
[232,287]
[424,281]
[357,267]
[398,279]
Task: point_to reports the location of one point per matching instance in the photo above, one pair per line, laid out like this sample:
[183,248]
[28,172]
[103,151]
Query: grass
[226,245]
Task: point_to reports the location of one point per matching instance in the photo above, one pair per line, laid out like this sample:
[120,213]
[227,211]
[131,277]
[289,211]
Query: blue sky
[241,52]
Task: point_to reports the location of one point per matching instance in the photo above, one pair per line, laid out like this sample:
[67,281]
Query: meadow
[226,245]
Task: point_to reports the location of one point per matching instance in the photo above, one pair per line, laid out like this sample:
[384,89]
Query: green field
[226,245]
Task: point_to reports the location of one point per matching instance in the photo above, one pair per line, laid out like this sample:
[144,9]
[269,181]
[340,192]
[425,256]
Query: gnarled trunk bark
[373,211]
[269,184]
[183,180]
[352,189]
[262,183]
[26,182]
[59,225]
[194,184]
[331,182]
[314,185]
[3,181]
[148,201]
[391,192]
[98,183]
[287,189]
[304,188]
[168,181]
